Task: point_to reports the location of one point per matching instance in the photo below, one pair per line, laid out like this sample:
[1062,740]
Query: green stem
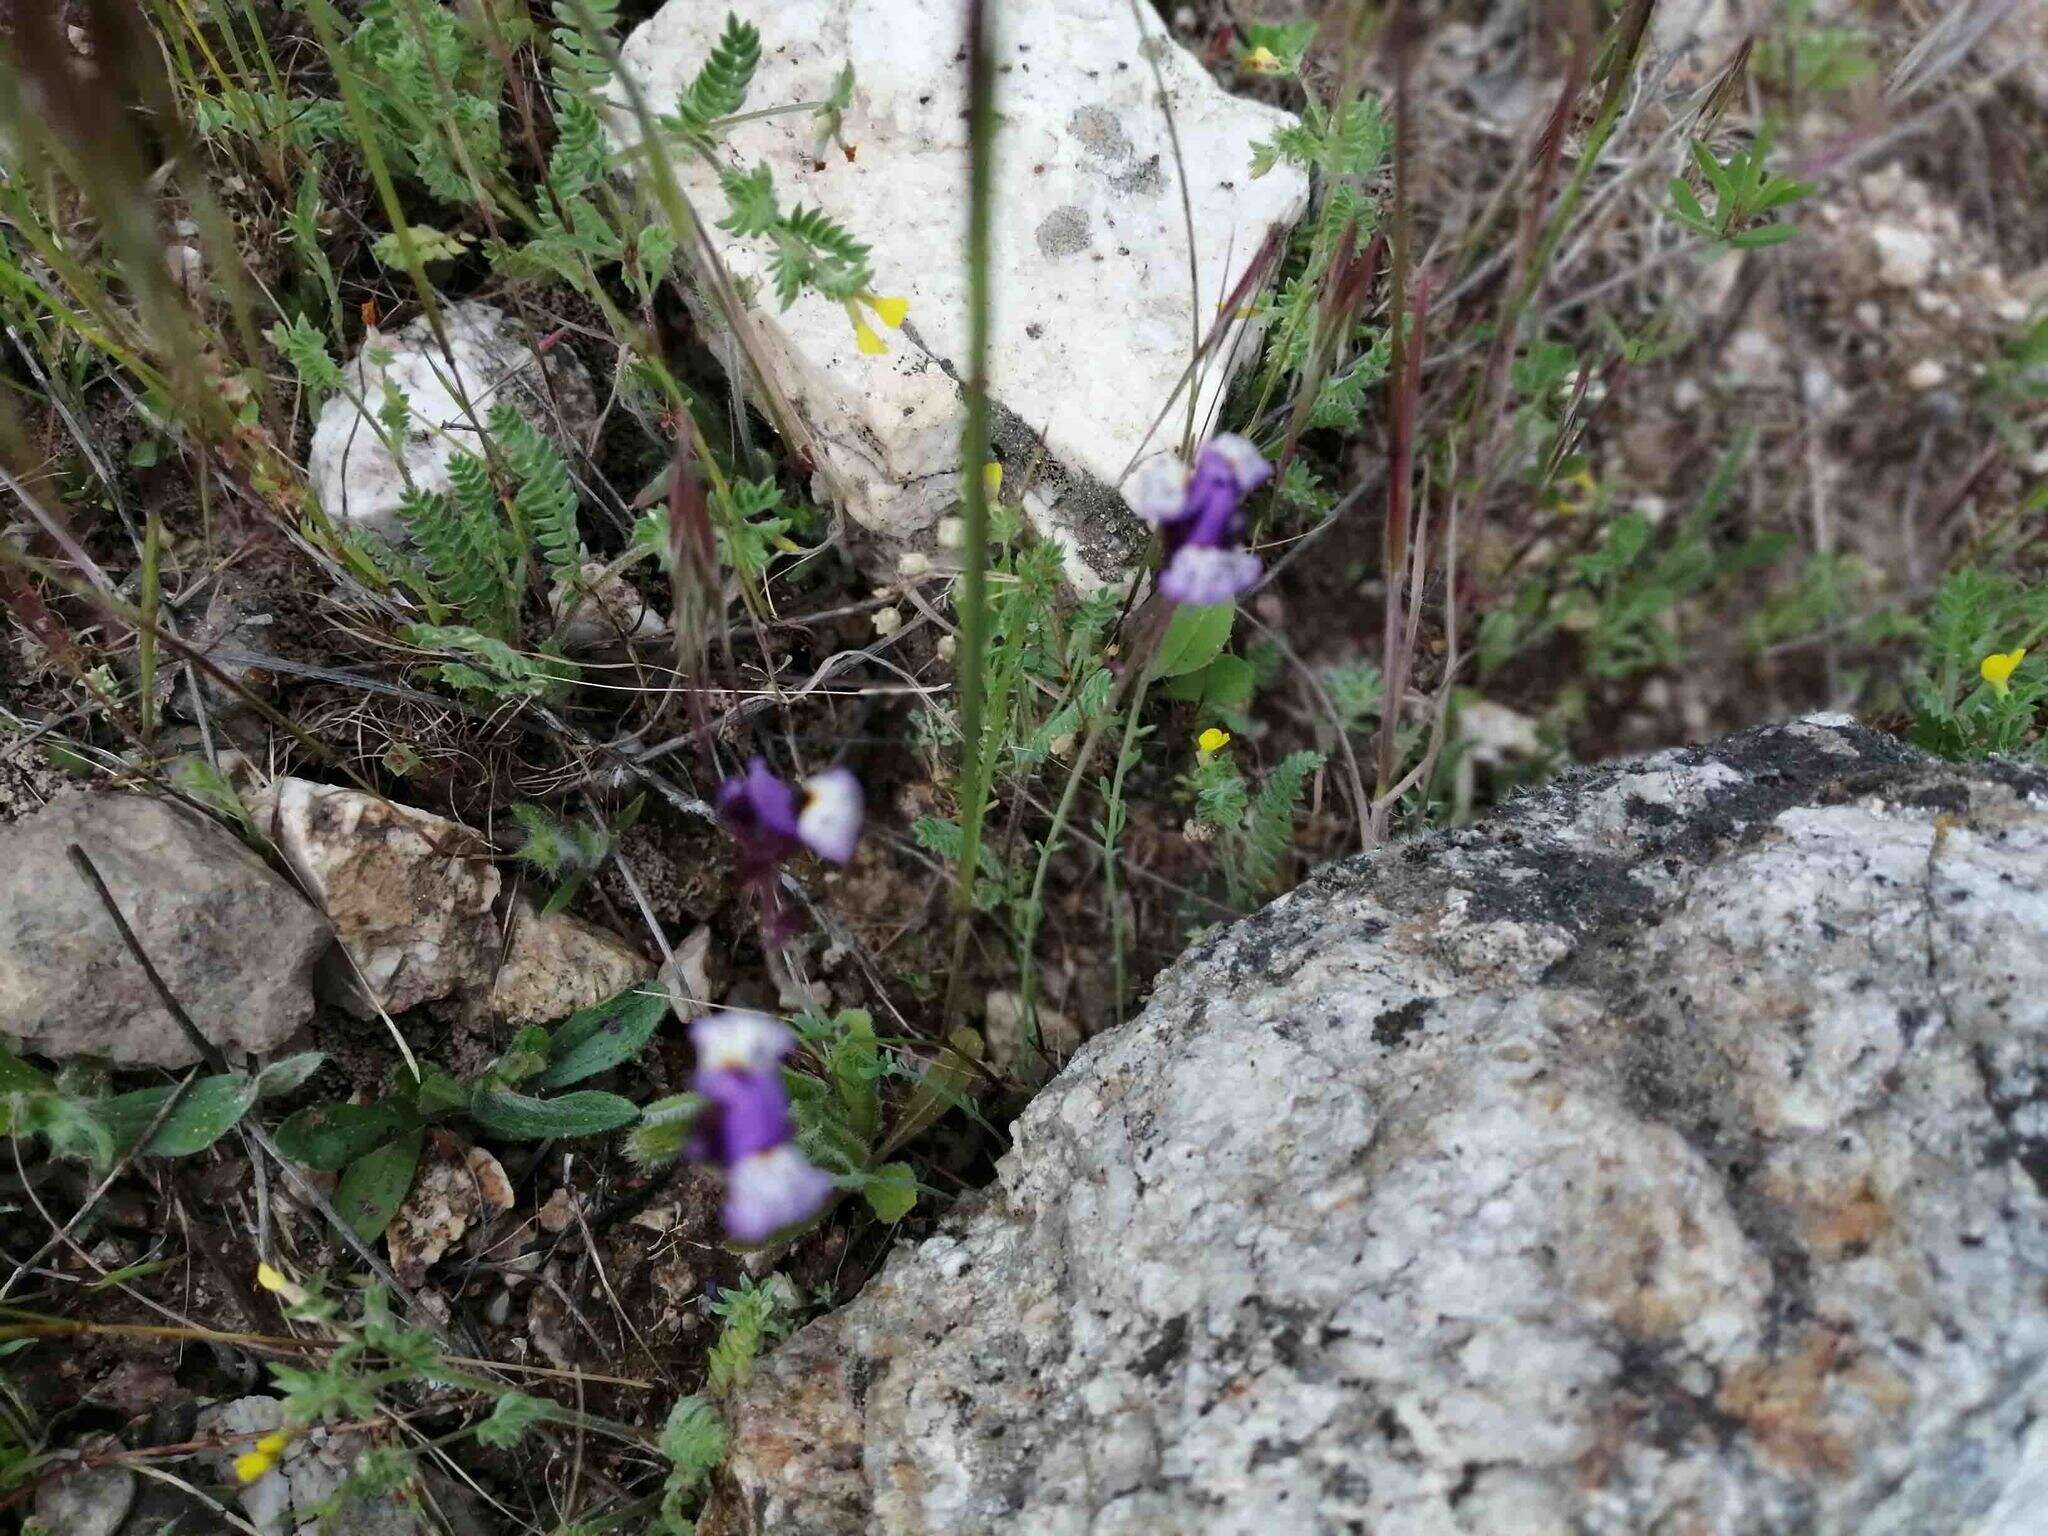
[972,598]
[1112,828]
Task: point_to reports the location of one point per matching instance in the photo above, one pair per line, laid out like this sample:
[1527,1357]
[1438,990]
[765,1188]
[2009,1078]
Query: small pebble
[888,621]
[1925,375]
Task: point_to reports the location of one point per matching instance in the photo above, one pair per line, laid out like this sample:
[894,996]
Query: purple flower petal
[830,820]
[749,1112]
[772,1190]
[1200,576]
[760,811]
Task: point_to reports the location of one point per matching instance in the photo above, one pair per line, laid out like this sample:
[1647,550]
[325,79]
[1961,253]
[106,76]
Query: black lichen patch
[1393,1027]
[1169,1349]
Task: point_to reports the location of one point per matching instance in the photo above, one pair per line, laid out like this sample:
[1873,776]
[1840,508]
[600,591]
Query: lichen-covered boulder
[1093,313]
[1667,1153]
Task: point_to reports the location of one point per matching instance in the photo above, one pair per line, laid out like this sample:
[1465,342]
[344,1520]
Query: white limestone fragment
[1093,312]
[491,359]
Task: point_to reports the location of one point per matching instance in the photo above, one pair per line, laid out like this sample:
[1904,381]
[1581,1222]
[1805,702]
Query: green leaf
[1688,205]
[750,200]
[1767,234]
[204,1113]
[514,1415]
[600,1038]
[289,1075]
[376,1184]
[437,1093]
[17,1076]
[891,1191]
[331,1136]
[665,1129]
[1194,638]
[943,1086]
[694,1440]
[1225,684]
[524,1057]
[523,1118]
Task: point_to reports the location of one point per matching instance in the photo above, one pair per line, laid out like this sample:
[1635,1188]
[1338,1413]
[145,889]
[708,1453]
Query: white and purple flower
[746,1126]
[1201,520]
[772,821]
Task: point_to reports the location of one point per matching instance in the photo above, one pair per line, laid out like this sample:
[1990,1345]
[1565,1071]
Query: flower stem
[972,592]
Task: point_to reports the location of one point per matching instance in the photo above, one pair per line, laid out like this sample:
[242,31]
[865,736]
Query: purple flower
[1201,521]
[746,1127]
[772,822]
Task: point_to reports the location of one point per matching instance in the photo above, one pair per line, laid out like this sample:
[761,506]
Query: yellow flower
[892,312]
[273,1444]
[1212,741]
[864,337]
[251,1465]
[1262,61]
[270,1279]
[1997,669]
[992,477]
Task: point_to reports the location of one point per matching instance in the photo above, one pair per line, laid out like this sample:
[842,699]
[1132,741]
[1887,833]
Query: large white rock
[1668,1153]
[1093,312]
[491,359]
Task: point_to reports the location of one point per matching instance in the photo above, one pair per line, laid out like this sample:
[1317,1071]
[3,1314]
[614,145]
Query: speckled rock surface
[555,964]
[490,360]
[1093,308]
[234,942]
[1667,1153]
[409,893]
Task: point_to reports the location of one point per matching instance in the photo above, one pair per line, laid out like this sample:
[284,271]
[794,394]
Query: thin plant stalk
[145,639]
[973,587]
[1112,828]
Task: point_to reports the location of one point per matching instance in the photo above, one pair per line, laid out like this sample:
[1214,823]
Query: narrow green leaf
[376,1184]
[522,1118]
[331,1136]
[288,1075]
[600,1038]
[204,1113]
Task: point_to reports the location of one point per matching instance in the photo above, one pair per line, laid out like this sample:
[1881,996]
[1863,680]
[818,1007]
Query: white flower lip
[740,1041]
[829,823]
[769,1191]
[1199,576]
[1158,492]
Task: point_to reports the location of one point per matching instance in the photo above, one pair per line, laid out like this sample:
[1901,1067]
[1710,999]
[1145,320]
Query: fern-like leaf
[464,562]
[1269,824]
[813,249]
[720,88]
[546,499]
[495,672]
